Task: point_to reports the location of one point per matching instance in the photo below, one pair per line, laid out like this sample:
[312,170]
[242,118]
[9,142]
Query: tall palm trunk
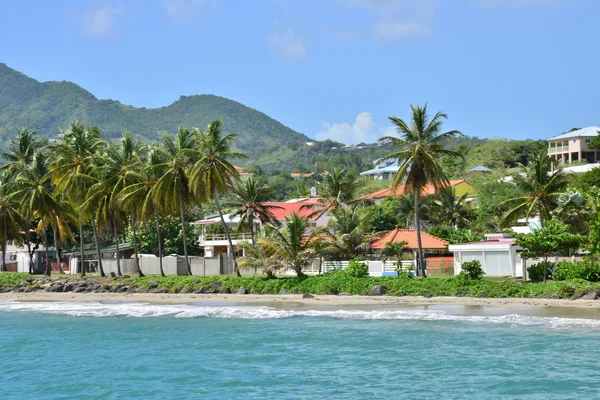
[135,247]
[4,240]
[118,252]
[160,245]
[98,249]
[57,243]
[28,240]
[231,249]
[184,232]
[45,233]
[81,239]
[420,266]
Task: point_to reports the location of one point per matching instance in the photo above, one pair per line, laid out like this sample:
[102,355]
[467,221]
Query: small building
[461,186]
[498,255]
[384,171]
[573,146]
[435,250]
[480,169]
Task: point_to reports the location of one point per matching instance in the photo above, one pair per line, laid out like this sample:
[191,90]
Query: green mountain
[48,107]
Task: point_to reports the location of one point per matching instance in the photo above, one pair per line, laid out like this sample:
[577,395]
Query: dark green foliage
[357,268]
[171,236]
[472,269]
[536,271]
[587,270]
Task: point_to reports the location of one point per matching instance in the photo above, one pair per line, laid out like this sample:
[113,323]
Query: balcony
[221,238]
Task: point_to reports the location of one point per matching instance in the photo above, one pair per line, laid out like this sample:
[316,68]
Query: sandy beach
[298,300]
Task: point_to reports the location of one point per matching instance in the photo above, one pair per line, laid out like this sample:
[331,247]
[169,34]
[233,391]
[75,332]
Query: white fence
[376,268]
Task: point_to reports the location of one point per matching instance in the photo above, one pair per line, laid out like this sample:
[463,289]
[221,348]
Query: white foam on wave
[136,309]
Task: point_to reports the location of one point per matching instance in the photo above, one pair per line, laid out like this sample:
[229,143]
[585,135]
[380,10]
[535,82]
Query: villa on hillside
[461,186]
[384,171]
[214,244]
[573,146]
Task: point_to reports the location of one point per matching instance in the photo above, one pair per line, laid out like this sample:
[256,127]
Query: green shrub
[472,269]
[587,270]
[536,271]
[357,268]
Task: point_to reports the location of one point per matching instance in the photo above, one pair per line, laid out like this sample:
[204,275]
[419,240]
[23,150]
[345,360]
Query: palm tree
[72,167]
[292,244]
[452,210]
[34,191]
[172,189]
[20,153]
[138,195]
[542,186]
[10,218]
[248,203]
[260,255]
[213,174]
[347,234]
[420,146]
[113,169]
[336,190]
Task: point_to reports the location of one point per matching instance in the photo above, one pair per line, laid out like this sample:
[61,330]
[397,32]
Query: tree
[71,168]
[36,197]
[553,239]
[419,147]
[260,255]
[336,190]
[395,249]
[10,218]
[167,240]
[20,153]
[138,196]
[346,234]
[595,142]
[452,210]
[248,204]
[213,174]
[292,244]
[172,189]
[572,208]
[541,186]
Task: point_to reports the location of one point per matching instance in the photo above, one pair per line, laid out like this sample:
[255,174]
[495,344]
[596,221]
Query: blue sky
[327,68]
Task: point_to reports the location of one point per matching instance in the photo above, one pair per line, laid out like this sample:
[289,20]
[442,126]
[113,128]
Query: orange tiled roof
[300,175]
[429,189]
[397,235]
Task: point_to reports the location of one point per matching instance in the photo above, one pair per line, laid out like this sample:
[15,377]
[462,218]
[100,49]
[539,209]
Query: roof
[103,250]
[301,175]
[409,236]
[211,219]
[480,168]
[590,131]
[286,208]
[390,165]
[428,190]
[240,170]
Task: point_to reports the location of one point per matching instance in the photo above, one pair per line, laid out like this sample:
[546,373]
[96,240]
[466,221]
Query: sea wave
[140,310]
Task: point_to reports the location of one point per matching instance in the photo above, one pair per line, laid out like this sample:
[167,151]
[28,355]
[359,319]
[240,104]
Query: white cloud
[363,129]
[389,31]
[399,19]
[288,45]
[183,9]
[99,22]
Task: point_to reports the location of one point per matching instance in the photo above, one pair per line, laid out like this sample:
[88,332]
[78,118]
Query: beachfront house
[498,255]
[574,146]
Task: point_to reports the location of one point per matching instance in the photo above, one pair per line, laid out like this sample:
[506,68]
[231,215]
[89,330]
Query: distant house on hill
[480,169]
[573,146]
[460,186]
[300,175]
[241,171]
[384,171]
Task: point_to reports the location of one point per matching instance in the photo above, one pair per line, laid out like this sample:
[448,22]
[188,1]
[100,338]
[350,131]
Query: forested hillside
[50,106]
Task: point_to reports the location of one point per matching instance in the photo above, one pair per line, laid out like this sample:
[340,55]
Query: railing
[222,236]
[559,149]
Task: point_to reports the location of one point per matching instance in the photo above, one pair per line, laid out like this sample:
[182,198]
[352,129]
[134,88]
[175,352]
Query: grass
[338,281]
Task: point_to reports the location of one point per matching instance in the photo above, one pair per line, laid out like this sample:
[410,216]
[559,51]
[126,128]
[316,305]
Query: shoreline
[298,300]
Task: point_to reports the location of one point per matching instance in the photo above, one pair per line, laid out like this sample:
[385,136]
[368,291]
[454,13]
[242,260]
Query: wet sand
[452,305]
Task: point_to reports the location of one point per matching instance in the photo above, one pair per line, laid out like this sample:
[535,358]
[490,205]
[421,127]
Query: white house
[498,255]
[384,171]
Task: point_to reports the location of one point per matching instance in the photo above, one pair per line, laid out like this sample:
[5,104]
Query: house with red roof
[214,242]
[461,186]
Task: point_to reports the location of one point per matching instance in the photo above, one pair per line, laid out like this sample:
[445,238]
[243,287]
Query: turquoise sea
[198,351]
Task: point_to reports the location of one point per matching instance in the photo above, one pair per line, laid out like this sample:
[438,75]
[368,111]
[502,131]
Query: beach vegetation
[472,269]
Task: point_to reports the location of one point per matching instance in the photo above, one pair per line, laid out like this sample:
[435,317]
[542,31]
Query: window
[588,140]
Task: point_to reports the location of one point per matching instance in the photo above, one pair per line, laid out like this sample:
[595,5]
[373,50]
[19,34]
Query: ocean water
[198,351]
